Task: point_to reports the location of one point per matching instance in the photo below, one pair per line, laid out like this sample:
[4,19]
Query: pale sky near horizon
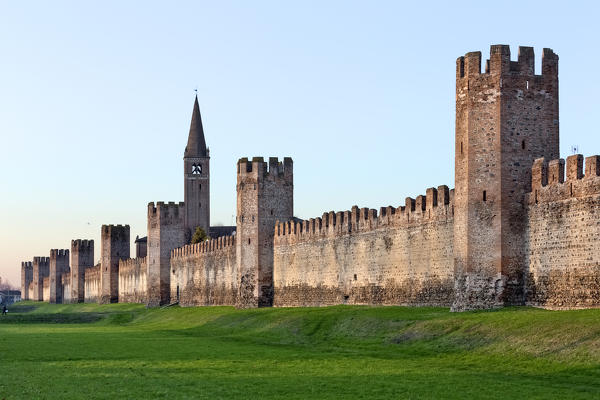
[96,100]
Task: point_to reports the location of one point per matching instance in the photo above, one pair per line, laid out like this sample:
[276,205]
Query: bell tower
[196,171]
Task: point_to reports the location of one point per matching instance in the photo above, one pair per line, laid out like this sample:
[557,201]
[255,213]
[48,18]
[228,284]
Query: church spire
[196,145]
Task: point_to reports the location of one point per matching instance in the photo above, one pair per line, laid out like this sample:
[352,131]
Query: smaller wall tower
[114,247]
[41,270]
[166,231]
[265,195]
[26,278]
[82,257]
[59,263]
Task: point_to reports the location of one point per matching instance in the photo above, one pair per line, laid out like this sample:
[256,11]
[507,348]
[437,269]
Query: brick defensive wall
[92,284]
[401,256]
[133,285]
[563,235]
[205,274]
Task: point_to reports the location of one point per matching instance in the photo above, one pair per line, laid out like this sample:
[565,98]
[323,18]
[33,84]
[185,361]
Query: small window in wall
[354,276]
[461,150]
[271,212]
[484,195]
[196,169]
[200,187]
[523,145]
[248,240]
[253,218]
[199,205]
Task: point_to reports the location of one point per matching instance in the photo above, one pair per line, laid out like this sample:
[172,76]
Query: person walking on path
[4,310]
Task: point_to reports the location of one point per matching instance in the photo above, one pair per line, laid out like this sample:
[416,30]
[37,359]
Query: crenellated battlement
[41,260]
[27,264]
[436,204]
[167,211]
[58,253]
[258,167]
[131,264]
[500,63]
[207,246]
[82,244]
[550,181]
[115,230]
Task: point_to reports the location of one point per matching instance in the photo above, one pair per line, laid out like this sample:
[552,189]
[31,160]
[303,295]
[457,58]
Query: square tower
[82,257]
[114,247]
[166,231]
[506,117]
[41,270]
[59,263]
[264,196]
[26,278]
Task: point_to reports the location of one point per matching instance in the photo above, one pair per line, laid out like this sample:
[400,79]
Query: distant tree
[199,236]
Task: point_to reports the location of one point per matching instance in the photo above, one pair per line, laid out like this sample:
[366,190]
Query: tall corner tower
[506,117]
[265,195]
[196,169]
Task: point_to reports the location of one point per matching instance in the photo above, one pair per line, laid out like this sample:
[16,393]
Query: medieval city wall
[92,284]
[132,280]
[403,256]
[563,235]
[205,274]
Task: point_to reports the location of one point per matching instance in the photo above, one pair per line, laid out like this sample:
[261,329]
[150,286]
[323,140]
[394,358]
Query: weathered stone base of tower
[474,291]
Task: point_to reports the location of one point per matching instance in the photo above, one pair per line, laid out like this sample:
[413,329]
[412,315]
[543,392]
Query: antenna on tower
[575,149]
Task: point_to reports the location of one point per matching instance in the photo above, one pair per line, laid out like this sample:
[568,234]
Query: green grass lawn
[124,351]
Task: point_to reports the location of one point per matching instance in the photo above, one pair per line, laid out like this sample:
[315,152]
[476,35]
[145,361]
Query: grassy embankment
[126,351]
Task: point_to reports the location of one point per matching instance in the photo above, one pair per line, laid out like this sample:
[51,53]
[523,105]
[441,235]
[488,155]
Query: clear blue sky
[96,100]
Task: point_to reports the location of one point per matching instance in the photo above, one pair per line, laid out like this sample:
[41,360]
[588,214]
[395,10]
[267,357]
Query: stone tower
[26,278]
[82,257]
[59,263]
[166,231]
[196,170]
[114,246]
[41,269]
[506,117]
[264,196]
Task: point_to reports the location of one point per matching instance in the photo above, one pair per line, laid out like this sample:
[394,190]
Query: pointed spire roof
[196,145]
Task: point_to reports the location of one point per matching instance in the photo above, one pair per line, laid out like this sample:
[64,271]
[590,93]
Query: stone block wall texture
[66,287]
[166,231]
[401,257]
[205,274]
[563,234]
[41,269]
[46,289]
[82,257]
[92,284]
[59,264]
[132,280]
[31,290]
